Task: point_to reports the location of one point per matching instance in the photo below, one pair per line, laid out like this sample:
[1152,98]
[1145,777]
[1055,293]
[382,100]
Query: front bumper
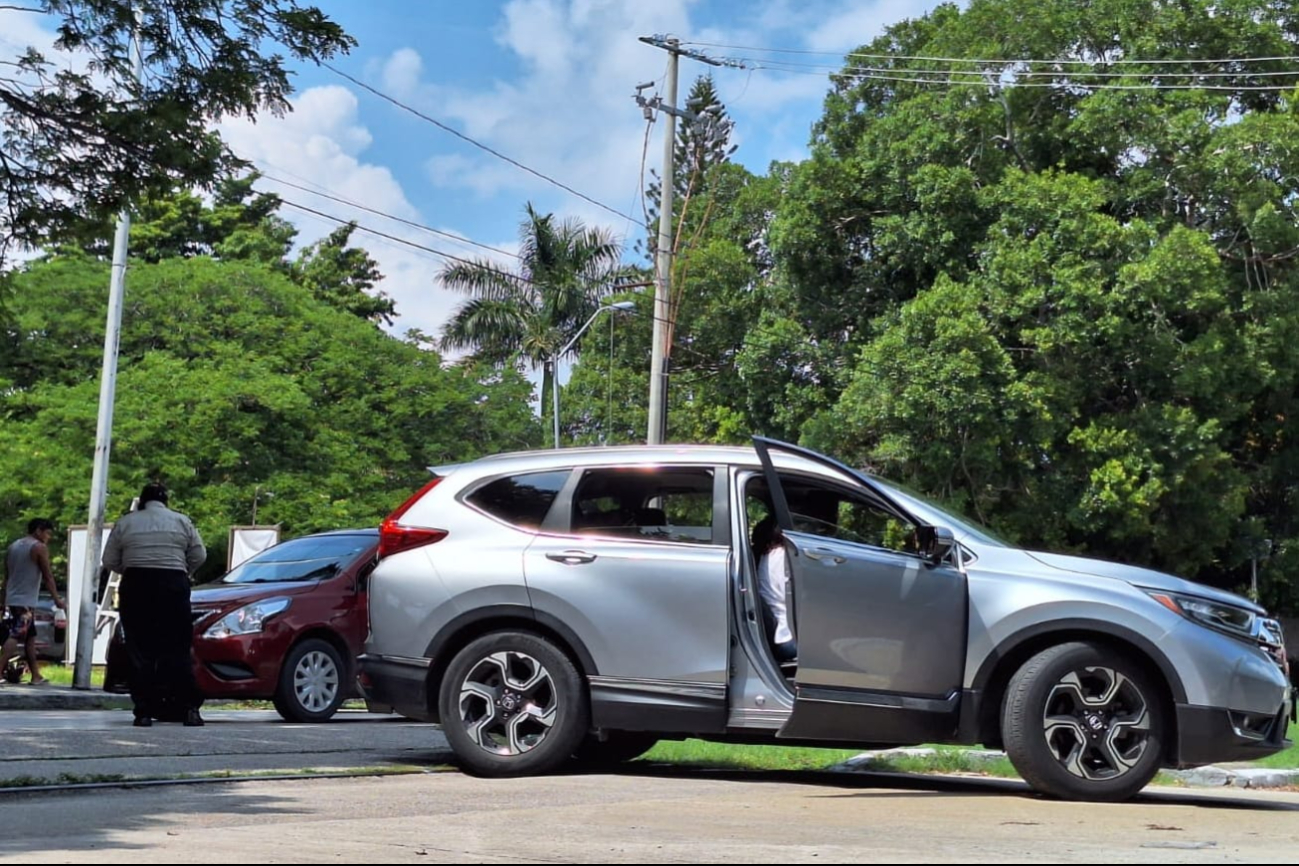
[1208,735]
[241,666]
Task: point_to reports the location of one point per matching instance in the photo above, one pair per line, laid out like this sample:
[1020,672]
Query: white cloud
[568,111]
[861,23]
[320,145]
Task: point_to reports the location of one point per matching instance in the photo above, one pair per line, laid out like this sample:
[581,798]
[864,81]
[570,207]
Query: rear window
[660,503]
[300,559]
[520,500]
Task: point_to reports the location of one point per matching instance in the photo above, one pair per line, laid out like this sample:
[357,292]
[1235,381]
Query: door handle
[821,554]
[571,557]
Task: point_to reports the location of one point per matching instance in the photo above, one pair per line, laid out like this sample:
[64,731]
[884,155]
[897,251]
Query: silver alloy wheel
[508,703]
[315,681]
[1096,723]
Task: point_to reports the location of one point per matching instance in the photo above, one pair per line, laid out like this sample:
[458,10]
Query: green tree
[80,145]
[1063,292]
[234,378]
[343,276]
[565,270]
[242,224]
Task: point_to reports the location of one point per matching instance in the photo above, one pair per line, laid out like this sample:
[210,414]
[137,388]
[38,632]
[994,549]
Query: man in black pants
[155,550]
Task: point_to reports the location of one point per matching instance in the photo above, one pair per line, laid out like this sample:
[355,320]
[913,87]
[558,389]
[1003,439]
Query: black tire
[313,682]
[1084,722]
[618,747]
[512,704]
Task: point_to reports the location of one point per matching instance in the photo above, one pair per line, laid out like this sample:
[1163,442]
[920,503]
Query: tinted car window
[521,500]
[664,504]
[835,513]
[311,558]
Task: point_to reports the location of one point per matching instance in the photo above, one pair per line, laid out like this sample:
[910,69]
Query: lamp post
[620,306]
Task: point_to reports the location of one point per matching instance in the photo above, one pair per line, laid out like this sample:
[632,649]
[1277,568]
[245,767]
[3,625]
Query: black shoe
[143,722]
[193,719]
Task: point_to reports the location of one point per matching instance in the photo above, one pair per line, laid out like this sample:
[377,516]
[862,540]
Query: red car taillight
[394,536]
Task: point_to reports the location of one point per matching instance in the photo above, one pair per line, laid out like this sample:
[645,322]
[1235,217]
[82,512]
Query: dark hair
[766,535]
[154,491]
[36,524]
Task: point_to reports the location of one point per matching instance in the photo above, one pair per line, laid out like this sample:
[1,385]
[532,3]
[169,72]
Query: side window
[520,500]
[837,513]
[661,504]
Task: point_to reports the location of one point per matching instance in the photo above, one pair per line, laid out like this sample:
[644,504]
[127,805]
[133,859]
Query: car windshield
[302,559]
[966,529]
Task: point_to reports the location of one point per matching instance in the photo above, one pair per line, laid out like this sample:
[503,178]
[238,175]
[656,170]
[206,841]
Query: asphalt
[60,735]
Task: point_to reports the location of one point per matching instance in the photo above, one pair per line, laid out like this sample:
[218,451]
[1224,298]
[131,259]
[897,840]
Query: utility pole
[663,258]
[104,428]
[660,351]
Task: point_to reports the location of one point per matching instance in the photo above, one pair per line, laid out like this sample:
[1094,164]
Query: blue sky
[547,82]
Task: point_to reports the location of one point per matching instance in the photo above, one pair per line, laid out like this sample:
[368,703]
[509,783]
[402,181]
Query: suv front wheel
[1083,722]
[512,704]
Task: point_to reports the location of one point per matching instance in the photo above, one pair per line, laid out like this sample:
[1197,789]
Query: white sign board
[78,541]
[246,541]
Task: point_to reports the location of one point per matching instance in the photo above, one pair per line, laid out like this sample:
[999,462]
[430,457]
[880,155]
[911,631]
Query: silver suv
[552,605]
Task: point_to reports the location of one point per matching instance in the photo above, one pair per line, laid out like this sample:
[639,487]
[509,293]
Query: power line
[997,81]
[514,162]
[1059,61]
[1015,69]
[515,277]
[450,235]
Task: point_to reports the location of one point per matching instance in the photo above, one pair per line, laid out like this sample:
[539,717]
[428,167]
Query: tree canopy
[232,378]
[1040,264]
[83,141]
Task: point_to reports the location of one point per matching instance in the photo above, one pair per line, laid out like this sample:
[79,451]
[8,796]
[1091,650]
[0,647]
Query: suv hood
[216,595]
[1138,576]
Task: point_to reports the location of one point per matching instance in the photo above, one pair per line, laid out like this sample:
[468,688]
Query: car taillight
[394,536]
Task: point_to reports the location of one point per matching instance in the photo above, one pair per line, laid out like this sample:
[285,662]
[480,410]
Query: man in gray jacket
[156,550]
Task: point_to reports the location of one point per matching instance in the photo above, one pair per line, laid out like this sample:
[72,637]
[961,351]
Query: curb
[1200,777]
[28,697]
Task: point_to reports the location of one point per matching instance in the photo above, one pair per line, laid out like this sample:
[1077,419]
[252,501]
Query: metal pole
[554,394]
[663,285]
[104,428]
[619,306]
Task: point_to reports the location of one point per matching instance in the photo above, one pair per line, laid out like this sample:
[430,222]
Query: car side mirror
[935,543]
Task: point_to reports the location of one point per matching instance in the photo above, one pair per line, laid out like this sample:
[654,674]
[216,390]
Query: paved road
[668,816]
[87,745]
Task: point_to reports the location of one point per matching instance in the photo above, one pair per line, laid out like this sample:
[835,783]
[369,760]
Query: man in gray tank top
[26,562]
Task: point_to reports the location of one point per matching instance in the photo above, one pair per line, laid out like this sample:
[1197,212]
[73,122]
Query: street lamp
[620,306]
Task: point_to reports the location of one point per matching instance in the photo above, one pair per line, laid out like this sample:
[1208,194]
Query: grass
[61,675]
[946,759]
[1287,760]
[728,756]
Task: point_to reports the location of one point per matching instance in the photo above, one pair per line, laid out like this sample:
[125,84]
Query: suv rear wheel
[512,704]
[1083,722]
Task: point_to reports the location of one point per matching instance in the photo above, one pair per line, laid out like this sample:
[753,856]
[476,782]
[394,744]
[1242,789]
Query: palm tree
[565,270]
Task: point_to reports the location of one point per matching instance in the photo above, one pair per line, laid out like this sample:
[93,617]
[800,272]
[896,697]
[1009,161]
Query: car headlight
[249,619]
[1235,621]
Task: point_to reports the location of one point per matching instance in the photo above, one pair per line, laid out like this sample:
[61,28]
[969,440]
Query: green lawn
[61,675]
[1287,760]
[949,759]
[699,753]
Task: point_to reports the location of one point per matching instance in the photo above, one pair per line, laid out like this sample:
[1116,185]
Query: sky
[548,83]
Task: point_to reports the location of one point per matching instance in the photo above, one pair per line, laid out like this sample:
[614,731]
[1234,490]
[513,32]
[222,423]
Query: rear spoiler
[443,471]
